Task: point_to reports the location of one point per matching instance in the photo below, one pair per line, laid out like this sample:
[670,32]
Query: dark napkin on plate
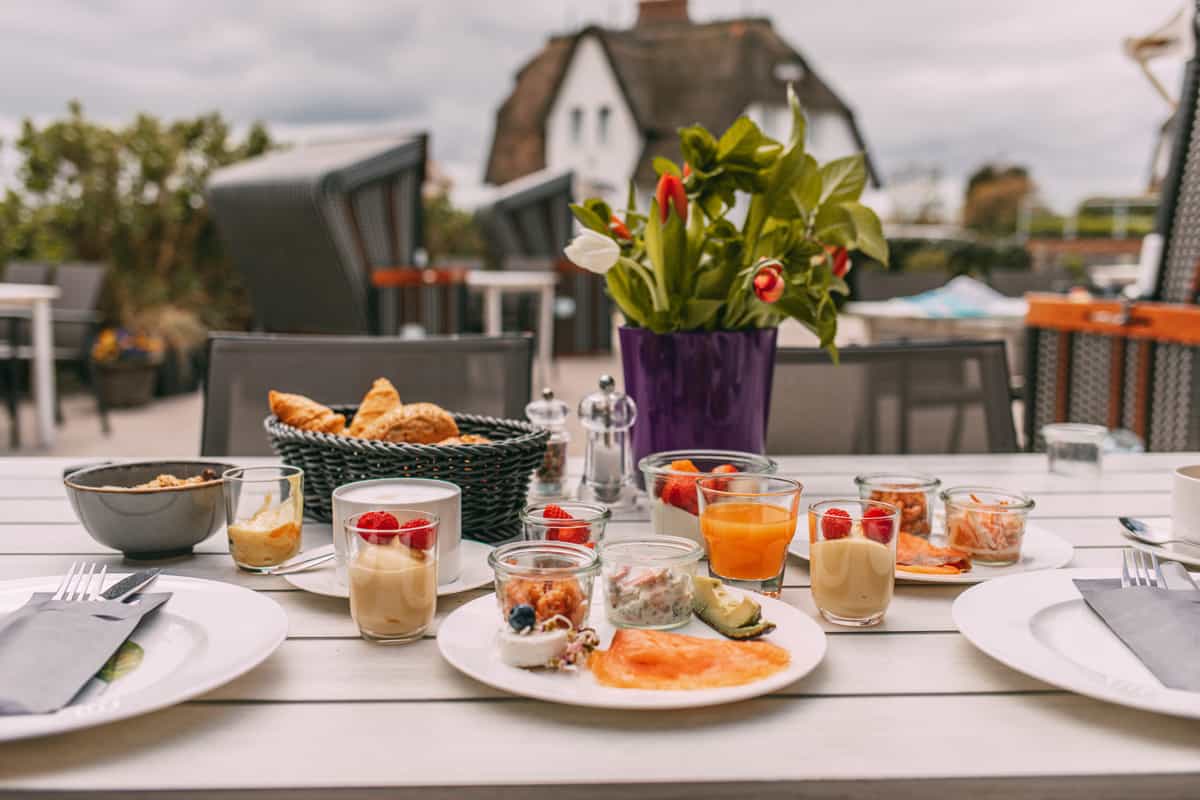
[50,649]
[1160,626]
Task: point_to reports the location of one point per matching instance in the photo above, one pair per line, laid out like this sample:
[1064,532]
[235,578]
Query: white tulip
[593,251]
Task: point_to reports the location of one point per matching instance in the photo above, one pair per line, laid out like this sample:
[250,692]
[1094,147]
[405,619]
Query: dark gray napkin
[1160,626]
[50,649]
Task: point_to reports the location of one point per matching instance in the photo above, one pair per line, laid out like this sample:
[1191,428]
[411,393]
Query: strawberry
[558,532]
[836,524]
[680,490]
[417,534]
[381,521]
[724,469]
[877,524]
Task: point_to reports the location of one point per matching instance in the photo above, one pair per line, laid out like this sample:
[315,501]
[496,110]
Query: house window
[602,117]
[576,125]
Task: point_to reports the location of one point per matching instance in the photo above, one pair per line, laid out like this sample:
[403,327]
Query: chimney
[655,12]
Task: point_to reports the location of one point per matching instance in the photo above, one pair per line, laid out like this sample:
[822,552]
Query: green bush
[958,257]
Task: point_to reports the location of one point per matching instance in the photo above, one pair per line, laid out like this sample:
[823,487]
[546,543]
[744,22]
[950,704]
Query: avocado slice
[730,613]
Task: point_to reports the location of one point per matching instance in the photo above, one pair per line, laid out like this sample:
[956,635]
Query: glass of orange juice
[748,521]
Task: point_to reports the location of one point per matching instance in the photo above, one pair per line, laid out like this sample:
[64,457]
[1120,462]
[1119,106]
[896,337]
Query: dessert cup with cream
[392,571]
[852,562]
[264,512]
[442,498]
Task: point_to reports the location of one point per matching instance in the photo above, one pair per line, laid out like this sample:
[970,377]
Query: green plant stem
[658,291]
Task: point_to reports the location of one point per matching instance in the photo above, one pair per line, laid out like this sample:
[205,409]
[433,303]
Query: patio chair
[76,320]
[489,375]
[327,234]
[937,397]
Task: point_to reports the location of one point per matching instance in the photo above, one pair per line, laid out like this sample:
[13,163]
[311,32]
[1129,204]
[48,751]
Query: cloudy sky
[944,83]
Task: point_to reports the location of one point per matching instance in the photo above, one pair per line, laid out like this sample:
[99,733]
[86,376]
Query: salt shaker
[550,414]
[608,476]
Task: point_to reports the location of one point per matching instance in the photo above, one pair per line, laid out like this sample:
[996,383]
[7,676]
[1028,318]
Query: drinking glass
[852,559]
[748,523]
[393,576]
[1075,449]
[264,513]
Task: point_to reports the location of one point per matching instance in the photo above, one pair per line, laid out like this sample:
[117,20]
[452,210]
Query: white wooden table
[909,709]
[37,299]
[496,283]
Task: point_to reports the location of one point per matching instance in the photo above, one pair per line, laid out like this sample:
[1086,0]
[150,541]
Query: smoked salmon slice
[914,554]
[639,659]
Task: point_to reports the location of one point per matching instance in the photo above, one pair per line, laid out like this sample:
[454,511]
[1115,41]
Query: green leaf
[868,232]
[589,219]
[799,122]
[624,289]
[698,313]
[666,166]
[843,179]
[834,226]
[805,191]
[740,142]
[699,148]
[127,658]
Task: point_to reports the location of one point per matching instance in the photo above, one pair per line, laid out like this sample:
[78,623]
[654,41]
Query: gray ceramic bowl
[147,523]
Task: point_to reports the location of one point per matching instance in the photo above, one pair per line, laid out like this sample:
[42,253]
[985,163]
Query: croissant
[466,438]
[304,413]
[418,423]
[381,399]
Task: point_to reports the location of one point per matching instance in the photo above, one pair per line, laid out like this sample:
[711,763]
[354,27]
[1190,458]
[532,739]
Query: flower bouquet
[702,294]
[125,366]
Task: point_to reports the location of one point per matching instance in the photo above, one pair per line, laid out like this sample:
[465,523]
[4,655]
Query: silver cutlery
[302,564]
[1139,568]
[76,585]
[131,584]
[1139,530]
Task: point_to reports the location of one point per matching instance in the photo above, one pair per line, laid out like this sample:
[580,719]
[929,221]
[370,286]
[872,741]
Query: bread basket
[494,477]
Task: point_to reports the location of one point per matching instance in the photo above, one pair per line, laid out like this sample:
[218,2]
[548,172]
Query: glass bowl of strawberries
[566,521]
[670,479]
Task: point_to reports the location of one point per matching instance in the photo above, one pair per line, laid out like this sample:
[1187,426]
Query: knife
[133,583]
[1176,576]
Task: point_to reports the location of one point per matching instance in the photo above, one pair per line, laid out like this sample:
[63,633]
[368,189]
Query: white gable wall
[602,167]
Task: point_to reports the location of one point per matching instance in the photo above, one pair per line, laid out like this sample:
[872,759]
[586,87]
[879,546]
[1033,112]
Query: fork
[1145,569]
[76,585]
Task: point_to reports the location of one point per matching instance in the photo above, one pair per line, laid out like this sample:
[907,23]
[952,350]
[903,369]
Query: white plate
[467,639]
[1183,553]
[1039,625]
[1040,550]
[475,572]
[207,634]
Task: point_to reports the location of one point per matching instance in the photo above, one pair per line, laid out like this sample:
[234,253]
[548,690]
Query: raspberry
[419,534]
[575,534]
[836,524]
[877,524]
[381,521]
[555,512]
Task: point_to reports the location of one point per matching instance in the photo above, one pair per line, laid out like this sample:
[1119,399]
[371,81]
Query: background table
[495,284]
[37,299]
[907,709]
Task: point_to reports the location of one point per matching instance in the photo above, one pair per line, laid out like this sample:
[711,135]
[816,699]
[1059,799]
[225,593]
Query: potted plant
[702,295]
[125,367]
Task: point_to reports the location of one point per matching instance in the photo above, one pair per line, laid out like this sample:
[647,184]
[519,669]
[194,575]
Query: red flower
[618,228]
[841,260]
[687,169]
[768,282]
[671,187]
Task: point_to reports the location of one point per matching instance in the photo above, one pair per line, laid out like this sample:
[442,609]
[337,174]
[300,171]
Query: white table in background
[37,299]
[905,710]
[496,283]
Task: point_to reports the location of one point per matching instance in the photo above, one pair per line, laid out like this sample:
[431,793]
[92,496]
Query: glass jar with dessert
[986,524]
[670,480]
[911,492]
[648,581]
[552,578]
[392,567]
[852,559]
[748,521]
[264,513]
[566,521]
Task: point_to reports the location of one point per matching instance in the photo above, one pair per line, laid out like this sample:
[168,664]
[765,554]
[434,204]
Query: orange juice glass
[748,521]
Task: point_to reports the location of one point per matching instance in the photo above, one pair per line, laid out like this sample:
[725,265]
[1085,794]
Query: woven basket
[494,478]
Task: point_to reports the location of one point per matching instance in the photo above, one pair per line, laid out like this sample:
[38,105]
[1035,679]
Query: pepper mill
[550,414]
[608,476]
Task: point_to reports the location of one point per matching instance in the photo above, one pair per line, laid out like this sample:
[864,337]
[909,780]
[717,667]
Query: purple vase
[699,389]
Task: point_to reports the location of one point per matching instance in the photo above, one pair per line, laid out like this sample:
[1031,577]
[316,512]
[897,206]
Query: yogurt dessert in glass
[748,522]
[670,480]
[264,511]
[852,562]
[441,498]
[392,565]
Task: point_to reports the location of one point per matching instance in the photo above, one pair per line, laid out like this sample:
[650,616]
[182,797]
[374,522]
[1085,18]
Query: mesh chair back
[469,374]
[935,397]
[79,286]
[306,226]
[26,272]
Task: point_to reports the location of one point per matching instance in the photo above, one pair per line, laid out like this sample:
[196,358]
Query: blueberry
[522,617]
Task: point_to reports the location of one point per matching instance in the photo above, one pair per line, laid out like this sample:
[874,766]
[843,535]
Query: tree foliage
[132,197]
[994,197]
